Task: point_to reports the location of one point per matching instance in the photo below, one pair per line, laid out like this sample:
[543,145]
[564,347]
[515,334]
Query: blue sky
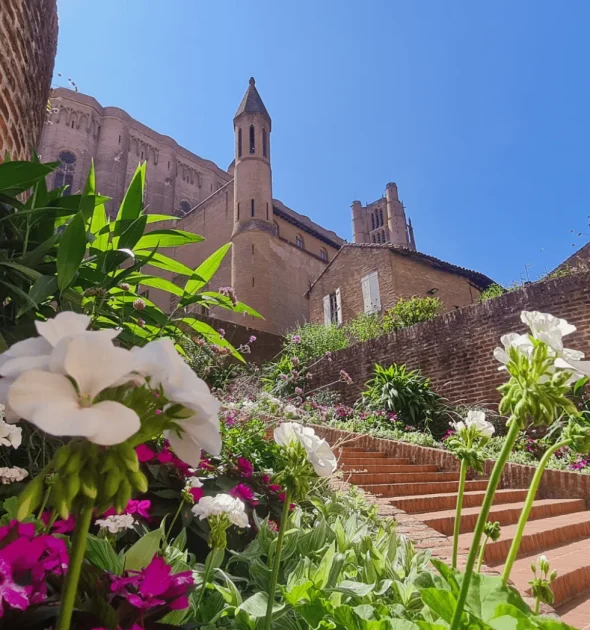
[479,111]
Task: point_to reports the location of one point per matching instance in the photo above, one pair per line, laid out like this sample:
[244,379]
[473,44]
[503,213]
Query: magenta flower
[245,493]
[60,526]
[252,339]
[10,593]
[155,586]
[245,467]
[283,377]
[134,506]
[298,391]
[296,339]
[197,494]
[295,361]
[144,453]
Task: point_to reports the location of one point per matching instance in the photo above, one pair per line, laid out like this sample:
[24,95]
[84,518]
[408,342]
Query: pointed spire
[252,103]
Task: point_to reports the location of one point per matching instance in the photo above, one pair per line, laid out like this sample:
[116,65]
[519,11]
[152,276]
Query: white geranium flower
[116,523]
[222,504]
[194,482]
[12,475]
[547,328]
[318,451]
[51,402]
[513,340]
[10,435]
[477,420]
[579,368]
[160,361]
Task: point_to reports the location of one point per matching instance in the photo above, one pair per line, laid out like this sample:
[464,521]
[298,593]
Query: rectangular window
[238,211]
[333,309]
[252,207]
[371,297]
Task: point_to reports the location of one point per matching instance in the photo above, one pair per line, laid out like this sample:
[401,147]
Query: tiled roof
[252,103]
[479,280]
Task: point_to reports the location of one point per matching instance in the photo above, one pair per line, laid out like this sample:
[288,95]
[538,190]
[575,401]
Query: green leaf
[167,238]
[320,576]
[36,256]
[132,234]
[44,287]
[164,262]
[19,176]
[211,335]
[142,552]
[132,203]
[443,603]
[101,554]
[487,592]
[18,292]
[256,606]
[355,589]
[22,269]
[98,222]
[205,271]
[154,281]
[448,574]
[298,592]
[70,253]
[156,218]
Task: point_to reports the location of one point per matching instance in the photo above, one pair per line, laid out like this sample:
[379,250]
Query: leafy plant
[311,341]
[407,394]
[410,311]
[494,290]
[365,327]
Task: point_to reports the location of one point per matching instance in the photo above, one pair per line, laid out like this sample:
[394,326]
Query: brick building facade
[28,41]
[367,278]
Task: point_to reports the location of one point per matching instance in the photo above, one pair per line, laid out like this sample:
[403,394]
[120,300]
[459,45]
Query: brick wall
[28,41]
[399,276]
[455,349]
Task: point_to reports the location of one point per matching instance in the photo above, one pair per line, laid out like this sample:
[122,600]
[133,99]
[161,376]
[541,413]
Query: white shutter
[374,289]
[366,294]
[339,306]
[327,319]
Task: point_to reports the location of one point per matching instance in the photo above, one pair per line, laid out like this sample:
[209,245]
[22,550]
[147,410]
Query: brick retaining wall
[455,349]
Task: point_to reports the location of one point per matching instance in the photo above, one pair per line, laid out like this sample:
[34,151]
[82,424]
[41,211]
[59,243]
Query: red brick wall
[455,349]
[28,41]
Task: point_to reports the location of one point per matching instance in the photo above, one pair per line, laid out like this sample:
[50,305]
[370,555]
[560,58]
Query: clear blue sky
[479,111]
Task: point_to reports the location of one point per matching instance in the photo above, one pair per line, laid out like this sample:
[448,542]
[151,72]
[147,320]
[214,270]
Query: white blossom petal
[35,390]
[115,422]
[29,354]
[63,325]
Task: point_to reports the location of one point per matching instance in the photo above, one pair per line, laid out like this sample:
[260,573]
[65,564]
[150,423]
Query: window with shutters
[333,309]
[371,297]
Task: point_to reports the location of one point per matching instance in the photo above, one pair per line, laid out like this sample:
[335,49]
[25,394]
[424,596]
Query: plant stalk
[75,567]
[482,551]
[206,577]
[526,511]
[457,528]
[174,519]
[483,518]
[277,561]
[44,502]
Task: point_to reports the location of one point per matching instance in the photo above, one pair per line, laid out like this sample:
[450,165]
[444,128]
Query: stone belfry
[253,229]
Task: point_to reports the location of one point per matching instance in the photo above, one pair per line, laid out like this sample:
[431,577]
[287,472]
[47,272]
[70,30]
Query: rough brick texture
[455,349]
[28,41]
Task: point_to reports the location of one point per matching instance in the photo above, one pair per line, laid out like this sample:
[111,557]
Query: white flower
[542,558]
[12,475]
[160,361]
[579,368]
[194,482]
[513,340]
[222,504]
[547,328]
[116,523]
[459,426]
[50,401]
[476,420]
[318,451]
[291,410]
[10,435]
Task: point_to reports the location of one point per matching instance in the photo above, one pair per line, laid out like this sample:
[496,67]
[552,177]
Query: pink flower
[298,391]
[244,492]
[295,361]
[245,467]
[296,339]
[144,453]
[134,506]
[206,464]
[272,525]
[197,494]
[10,593]
[283,377]
[165,456]
[221,332]
[345,377]
[252,339]
[59,526]
[154,586]
[309,376]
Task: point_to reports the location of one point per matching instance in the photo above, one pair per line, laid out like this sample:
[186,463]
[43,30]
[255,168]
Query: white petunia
[52,403]
[12,475]
[10,435]
[116,523]
[194,482]
[476,420]
[513,340]
[219,505]
[318,451]
[161,363]
[579,368]
[547,328]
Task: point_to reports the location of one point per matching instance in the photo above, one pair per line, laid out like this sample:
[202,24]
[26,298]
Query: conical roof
[252,103]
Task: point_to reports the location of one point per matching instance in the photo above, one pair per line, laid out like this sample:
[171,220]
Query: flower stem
[206,576]
[44,502]
[174,520]
[537,605]
[75,567]
[277,561]
[483,518]
[526,511]
[457,528]
[482,551]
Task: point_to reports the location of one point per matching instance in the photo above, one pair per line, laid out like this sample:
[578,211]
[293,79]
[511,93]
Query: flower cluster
[476,424]
[116,523]
[26,561]
[134,507]
[222,505]
[229,293]
[318,451]
[12,475]
[154,587]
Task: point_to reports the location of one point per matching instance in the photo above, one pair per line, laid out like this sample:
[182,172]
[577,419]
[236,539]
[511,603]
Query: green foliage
[365,327]
[311,341]
[248,439]
[64,253]
[494,290]
[410,311]
[407,394]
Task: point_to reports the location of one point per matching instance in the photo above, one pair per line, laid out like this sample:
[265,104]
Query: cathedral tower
[253,211]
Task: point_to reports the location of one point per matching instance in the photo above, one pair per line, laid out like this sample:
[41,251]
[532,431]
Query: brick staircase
[560,528]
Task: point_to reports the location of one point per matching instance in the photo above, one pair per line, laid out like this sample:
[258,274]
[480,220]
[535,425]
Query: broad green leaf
[13,289]
[32,274]
[298,592]
[70,253]
[44,287]
[35,256]
[154,281]
[19,176]
[98,222]
[132,234]
[205,271]
[87,201]
[167,238]
[320,576]
[101,554]
[443,603]
[132,203]
[142,552]
[164,262]
[211,335]
[448,574]
[156,218]
[546,623]
[256,605]
[355,589]
[487,592]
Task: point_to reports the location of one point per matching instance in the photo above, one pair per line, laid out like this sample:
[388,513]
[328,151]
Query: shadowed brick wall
[28,41]
[455,349]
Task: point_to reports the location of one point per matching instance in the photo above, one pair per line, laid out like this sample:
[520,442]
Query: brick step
[572,562]
[506,514]
[362,479]
[350,449]
[410,489]
[538,536]
[432,502]
[387,468]
[361,462]
[576,612]
[345,456]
